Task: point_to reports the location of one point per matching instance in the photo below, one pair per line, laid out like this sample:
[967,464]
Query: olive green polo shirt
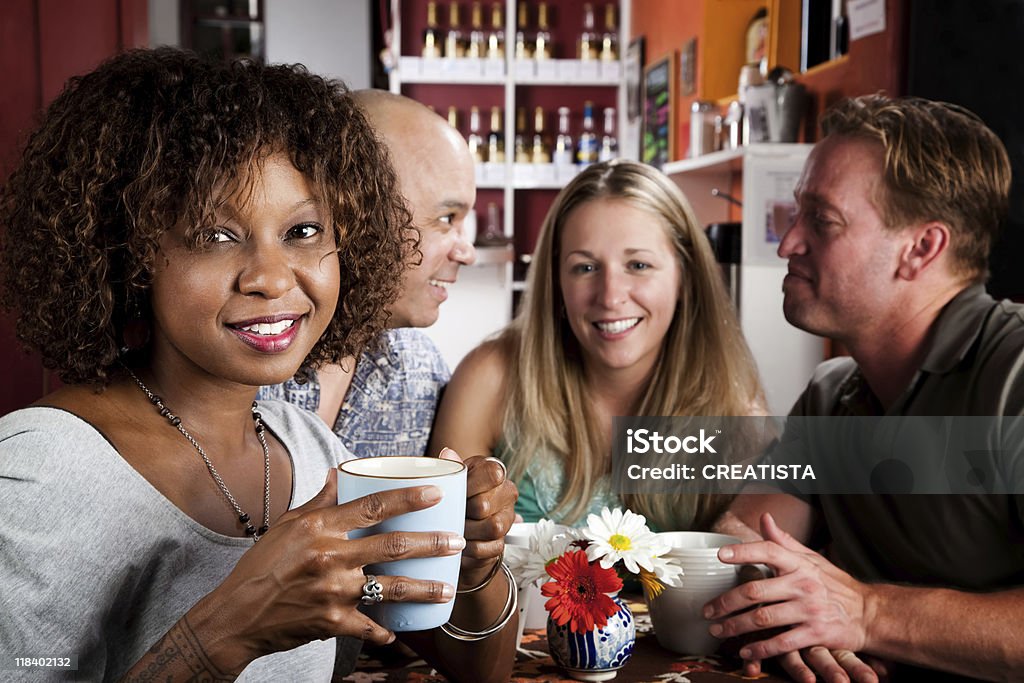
[974,366]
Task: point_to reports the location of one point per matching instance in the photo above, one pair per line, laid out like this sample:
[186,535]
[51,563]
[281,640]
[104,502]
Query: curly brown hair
[138,145]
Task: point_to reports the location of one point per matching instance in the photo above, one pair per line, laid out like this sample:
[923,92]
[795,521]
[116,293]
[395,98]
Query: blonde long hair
[704,367]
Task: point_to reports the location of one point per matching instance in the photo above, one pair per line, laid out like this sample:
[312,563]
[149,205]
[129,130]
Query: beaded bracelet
[483,584]
[511,604]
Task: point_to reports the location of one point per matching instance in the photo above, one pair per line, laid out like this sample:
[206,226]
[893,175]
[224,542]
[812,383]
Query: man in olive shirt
[898,208]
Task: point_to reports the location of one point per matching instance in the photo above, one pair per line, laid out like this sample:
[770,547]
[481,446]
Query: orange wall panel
[666,26]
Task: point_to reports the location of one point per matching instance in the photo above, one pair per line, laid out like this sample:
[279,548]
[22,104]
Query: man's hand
[834,666]
[822,605]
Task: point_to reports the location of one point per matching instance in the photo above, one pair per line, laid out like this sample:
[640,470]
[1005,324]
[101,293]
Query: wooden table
[650,663]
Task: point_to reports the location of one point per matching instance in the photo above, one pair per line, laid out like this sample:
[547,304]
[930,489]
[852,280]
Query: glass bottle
[522,153]
[610,38]
[587,44]
[586,149]
[477,43]
[496,138]
[542,41]
[453,117]
[609,143]
[493,234]
[432,34]
[524,46]
[540,153]
[454,46]
[564,154]
[756,41]
[475,142]
[496,38]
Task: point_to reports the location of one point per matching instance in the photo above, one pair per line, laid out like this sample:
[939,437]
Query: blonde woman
[625,313]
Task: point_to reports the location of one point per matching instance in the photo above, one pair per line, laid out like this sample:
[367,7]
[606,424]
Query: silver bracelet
[490,575]
[511,604]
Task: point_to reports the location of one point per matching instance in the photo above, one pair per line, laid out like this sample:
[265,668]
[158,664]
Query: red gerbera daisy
[578,592]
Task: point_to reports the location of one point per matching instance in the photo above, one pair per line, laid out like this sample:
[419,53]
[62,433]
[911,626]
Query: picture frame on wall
[634,78]
[658,138]
[688,68]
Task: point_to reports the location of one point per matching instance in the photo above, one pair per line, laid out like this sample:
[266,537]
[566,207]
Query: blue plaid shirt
[389,407]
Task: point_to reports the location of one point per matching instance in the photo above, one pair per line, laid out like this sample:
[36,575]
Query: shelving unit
[509,84]
[721,54]
[718,29]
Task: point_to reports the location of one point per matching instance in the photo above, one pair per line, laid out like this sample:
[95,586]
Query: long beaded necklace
[250,530]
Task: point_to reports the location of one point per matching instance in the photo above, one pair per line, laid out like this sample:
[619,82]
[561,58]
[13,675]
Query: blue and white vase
[595,655]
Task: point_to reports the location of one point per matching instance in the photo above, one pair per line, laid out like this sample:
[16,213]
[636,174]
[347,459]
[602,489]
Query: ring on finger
[504,470]
[373,591]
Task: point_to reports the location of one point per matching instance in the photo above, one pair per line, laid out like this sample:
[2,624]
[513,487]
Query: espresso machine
[726,243]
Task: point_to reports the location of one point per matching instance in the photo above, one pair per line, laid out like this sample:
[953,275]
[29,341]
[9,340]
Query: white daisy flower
[618,535]
[547,542]
[666,570]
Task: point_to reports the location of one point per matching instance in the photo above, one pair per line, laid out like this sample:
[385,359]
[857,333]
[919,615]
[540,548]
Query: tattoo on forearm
[178,656]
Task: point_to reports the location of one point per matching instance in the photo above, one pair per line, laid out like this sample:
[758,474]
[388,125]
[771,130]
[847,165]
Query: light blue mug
[357,478]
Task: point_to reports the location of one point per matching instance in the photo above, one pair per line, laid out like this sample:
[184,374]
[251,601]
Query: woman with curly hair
[177,234]
[625,314]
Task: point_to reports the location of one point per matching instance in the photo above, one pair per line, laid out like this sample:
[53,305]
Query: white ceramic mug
[677,614]
[358,478]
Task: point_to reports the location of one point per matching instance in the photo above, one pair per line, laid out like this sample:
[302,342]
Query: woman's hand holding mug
[490,513]
[304,579]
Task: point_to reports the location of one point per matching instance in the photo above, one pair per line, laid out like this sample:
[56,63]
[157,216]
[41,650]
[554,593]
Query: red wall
[42,44]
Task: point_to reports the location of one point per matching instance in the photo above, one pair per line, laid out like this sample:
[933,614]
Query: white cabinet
[481,301]
[785,356]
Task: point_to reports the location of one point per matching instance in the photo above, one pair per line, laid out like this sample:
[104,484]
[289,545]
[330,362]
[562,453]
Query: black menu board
[659,129]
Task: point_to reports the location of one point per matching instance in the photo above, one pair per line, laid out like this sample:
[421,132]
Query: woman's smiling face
[620,278]
[253,300]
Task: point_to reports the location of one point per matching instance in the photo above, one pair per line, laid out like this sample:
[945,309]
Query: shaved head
[410,130]
[436,173]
